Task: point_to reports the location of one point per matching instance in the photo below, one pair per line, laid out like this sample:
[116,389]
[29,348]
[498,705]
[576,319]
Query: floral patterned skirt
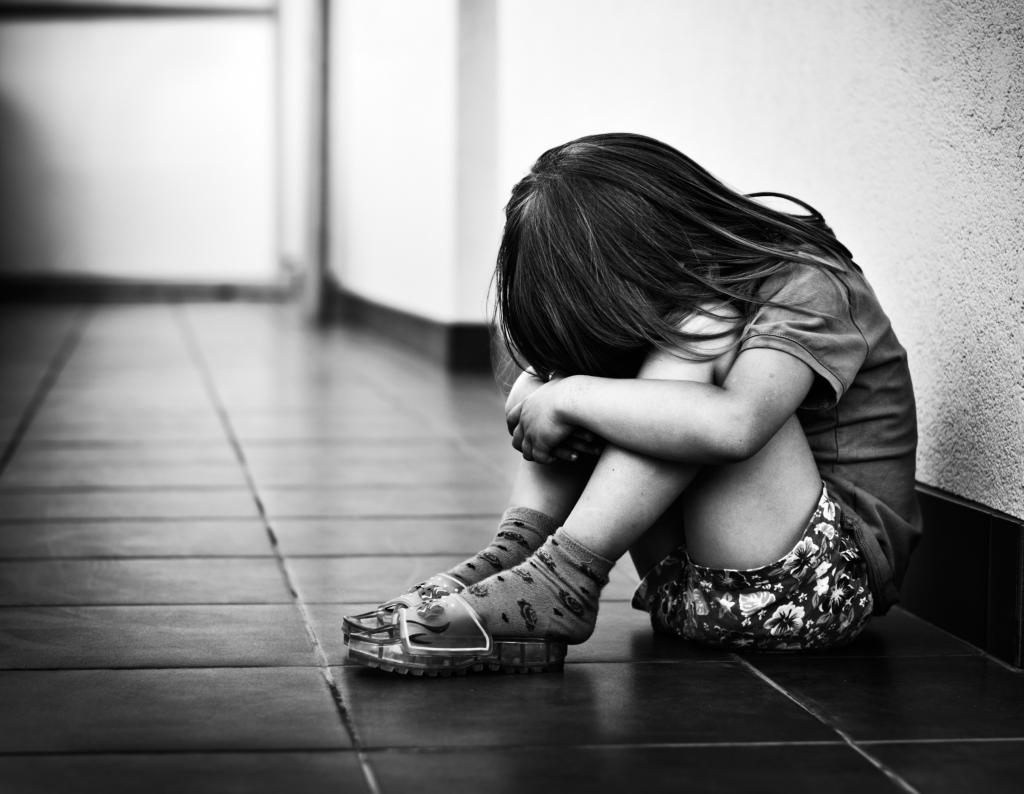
[817,596]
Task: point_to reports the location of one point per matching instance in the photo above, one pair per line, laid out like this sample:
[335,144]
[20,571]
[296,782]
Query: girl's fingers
[517,438]
[512,417]
[588,445]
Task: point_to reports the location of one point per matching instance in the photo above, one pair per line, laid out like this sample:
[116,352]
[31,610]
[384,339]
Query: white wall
[902,122]
[139,148]
[298,64]
[393,180]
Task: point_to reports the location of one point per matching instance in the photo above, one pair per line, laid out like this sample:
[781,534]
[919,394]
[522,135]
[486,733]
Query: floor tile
[837,769]
[994,767]
[330,426]
[624,634]
[265,457]
[184,452]
[588,704]
[408,500]
[179,504]
[325,620]
[189,709]
[154,636]
[374,578]
[186,538]
[57,474]
[362,579]
[326,772]
[198,427]
[380,536]
[441,472]
[900,633]
[948,697]
[146,581]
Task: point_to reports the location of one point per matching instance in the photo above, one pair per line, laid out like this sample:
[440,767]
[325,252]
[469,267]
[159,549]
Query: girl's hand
[540,432]
[526,384]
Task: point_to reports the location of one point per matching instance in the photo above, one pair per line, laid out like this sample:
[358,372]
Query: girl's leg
[552,489]
[541,498]
[741,515]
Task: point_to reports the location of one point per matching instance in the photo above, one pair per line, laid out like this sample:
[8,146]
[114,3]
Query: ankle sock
[552,594]
[520,533]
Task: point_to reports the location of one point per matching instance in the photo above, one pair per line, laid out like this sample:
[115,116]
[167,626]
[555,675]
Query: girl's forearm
[684,421]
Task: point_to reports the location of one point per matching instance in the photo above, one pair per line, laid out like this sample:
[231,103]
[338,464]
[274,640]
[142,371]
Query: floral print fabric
[817,596]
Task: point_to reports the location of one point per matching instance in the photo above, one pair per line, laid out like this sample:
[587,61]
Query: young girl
[709,384]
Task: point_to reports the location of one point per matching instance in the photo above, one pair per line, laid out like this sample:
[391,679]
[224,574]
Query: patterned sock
[520,533]
[552,594]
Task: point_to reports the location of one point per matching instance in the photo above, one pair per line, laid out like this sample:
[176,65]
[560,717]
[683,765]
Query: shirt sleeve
[815,322]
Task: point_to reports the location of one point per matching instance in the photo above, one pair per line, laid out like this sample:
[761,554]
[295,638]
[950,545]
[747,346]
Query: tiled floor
[192,496]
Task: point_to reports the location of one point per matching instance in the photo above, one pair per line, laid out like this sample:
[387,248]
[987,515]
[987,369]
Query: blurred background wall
[186,144]
[137,145]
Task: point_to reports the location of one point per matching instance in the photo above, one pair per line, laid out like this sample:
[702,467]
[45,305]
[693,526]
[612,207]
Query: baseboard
[967,575]
[97,289]
[459,347]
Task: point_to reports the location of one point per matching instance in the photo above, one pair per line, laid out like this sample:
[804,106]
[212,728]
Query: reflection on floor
[191,497]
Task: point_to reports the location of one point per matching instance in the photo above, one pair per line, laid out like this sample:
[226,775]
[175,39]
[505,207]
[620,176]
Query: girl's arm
[692,421]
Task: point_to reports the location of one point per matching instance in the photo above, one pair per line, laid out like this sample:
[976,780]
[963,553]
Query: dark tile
[395,500]
[901,634]
[190,709]
[926,592]
[127,504]
[145,581]
[946,697]
[188,538]
[1005,624]
[995,767]
[362,579]
[327,772]
[624,634]
[153,636]
[834,768]
[381,536]
[588,704]
[325,620]
[374,578]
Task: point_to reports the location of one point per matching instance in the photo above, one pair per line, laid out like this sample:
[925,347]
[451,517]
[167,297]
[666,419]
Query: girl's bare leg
[552,488]
[741,515]
[738,516]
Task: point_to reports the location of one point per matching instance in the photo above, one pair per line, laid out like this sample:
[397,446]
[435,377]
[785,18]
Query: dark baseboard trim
[88,289]
[967,575]
[459,347]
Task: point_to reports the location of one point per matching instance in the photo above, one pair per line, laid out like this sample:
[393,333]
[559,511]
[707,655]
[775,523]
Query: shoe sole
[506,656]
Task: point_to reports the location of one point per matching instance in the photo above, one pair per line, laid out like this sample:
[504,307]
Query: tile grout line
[847,739]
[56,366]
[199,360]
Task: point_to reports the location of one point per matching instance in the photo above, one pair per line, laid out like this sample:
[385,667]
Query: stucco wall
[902,122]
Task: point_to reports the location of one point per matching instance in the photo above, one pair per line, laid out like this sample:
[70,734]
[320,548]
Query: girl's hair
[611,240]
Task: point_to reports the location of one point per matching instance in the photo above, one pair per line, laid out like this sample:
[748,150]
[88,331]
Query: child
[709,384]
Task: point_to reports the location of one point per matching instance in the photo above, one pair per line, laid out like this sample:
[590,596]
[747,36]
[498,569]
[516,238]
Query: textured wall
[902,121]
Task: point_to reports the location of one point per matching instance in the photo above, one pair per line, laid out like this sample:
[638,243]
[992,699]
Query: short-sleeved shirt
[859,416]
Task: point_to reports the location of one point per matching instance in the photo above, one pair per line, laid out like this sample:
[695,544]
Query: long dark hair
[611,240]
